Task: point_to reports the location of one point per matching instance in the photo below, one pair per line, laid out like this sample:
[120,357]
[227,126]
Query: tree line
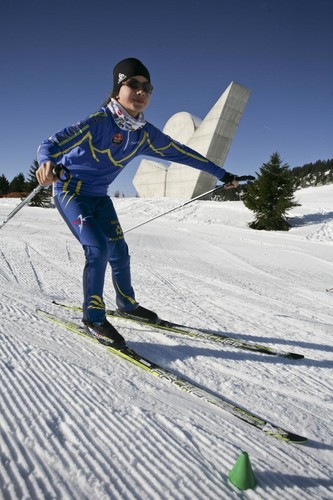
[270,196]
[310,174]
[313,174]
[21,186]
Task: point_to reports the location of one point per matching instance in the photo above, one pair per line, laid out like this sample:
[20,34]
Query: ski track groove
[202,313]
[39,387]
[8,265]
[304,379]
[54,427]
[260,443]
[234,380]
[157,440]
[72,439]
[33,268]
[90,451]
[30,259]
[22,441]
[46,404]
[190,277]
[198,311]
[119,436]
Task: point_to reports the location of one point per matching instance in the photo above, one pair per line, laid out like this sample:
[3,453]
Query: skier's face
[134,95]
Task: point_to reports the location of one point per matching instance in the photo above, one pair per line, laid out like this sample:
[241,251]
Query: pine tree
[42,198]
[4,185]
[18,185]
[271,196]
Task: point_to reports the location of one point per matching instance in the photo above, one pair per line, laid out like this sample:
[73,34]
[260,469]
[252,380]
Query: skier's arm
[62,142]
[164,147]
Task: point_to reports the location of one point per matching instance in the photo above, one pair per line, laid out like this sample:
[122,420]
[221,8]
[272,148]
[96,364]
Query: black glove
[228,177]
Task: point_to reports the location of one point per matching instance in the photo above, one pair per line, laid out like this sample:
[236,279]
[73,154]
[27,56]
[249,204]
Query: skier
[94,152]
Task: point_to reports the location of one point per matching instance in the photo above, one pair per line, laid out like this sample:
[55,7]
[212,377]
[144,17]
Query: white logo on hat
[121,77]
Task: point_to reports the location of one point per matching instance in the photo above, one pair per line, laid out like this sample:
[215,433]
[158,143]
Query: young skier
[94,152]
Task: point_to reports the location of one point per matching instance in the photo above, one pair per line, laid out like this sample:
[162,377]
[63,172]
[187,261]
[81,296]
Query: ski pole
[56,171]
[241,178]
[24,202]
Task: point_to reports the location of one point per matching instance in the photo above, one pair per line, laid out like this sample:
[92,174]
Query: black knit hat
[125,69]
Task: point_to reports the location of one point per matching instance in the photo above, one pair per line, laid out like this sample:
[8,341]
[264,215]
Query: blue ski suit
[95,151]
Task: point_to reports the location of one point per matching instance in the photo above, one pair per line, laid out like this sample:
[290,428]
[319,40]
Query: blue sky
[57,59]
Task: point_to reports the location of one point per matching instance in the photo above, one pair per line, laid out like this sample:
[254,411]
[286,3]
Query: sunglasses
[134,84]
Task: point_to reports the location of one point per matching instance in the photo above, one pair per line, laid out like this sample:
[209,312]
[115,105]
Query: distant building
[211,137]
[14,194]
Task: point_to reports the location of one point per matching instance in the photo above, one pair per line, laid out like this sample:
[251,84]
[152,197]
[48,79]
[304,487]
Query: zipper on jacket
[127,141]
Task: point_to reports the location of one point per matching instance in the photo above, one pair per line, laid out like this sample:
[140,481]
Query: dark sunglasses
[134,84]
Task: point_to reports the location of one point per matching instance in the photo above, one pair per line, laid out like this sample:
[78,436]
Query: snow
[80,423]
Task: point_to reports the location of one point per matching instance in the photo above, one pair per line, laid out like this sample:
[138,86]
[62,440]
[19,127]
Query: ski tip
[283,434]
[295,438]
[287,436]
[293,355]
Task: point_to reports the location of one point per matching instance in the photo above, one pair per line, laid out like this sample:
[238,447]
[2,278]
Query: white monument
[211,137]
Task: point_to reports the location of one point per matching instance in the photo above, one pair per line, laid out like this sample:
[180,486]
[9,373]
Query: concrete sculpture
[211,137]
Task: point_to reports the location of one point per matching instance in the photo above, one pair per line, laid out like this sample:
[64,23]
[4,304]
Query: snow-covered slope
[78,423]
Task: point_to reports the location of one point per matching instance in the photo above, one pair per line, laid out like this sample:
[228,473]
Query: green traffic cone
[241,475]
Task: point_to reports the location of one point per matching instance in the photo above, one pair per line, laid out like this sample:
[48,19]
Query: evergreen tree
[4,185]
[271,196]
[17,185]
[43,197]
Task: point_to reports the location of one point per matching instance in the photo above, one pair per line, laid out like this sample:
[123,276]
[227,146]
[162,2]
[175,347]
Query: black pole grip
[59,170]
